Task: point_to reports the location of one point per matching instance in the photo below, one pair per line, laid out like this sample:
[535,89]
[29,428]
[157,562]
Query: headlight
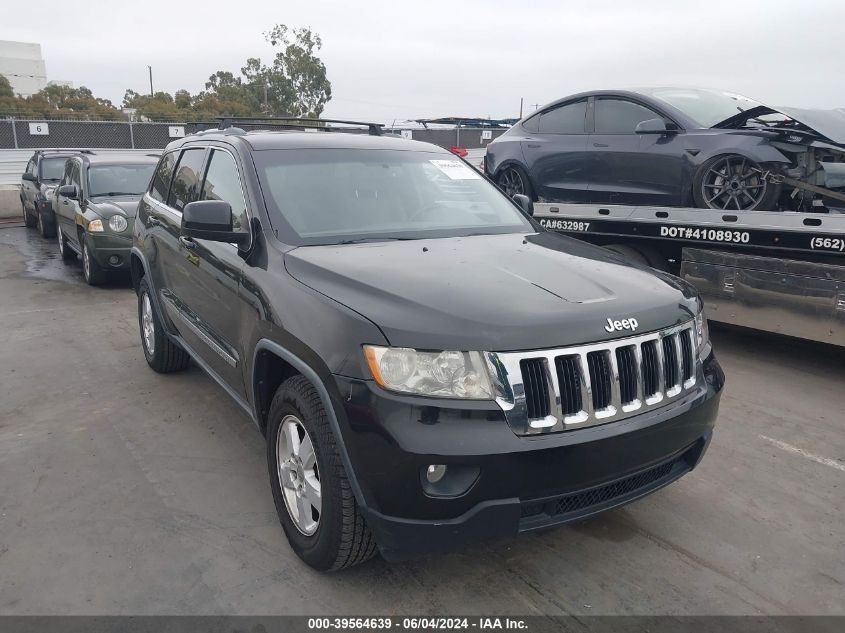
[48,193]
[118,223]
[702,334]
[95,226]
[442,374]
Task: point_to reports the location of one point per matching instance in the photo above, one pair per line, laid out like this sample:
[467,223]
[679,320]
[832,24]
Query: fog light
[115,260]
[435,472]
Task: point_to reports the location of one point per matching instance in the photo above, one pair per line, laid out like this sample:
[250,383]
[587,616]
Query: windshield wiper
[361,240]
[114,193]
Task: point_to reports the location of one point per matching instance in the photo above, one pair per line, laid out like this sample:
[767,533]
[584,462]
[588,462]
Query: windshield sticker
[456,170]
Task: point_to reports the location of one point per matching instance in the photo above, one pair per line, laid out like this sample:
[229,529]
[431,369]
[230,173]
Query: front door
[631,168]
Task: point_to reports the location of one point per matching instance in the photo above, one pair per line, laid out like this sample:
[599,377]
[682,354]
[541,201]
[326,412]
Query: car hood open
[829,124]
[492,292]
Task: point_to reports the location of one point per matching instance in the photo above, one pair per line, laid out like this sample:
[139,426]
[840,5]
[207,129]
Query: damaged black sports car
[675,147]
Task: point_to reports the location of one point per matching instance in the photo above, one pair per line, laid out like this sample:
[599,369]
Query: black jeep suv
[38,182]
[429,366]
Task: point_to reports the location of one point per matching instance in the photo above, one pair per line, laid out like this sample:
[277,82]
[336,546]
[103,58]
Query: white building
[21,63]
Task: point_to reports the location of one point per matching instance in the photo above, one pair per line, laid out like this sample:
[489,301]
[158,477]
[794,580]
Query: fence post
[14,132]
[131,135]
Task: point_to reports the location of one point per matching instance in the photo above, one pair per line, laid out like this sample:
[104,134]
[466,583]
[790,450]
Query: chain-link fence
[32,134]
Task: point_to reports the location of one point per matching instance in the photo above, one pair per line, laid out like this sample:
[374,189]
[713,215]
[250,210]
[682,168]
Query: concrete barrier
[10,201]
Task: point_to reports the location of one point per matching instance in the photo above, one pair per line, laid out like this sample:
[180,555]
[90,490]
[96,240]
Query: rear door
[631,168]
[555,152]
[205,277]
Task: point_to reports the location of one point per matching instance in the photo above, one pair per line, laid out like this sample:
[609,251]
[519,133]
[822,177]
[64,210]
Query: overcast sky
[400,60]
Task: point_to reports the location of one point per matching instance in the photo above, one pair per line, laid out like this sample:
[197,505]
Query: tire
[91,270]
[628,252]
[732,182]
[44,229]
[64,250]
[340,538]
[162,354]
[28,220]
[513,179]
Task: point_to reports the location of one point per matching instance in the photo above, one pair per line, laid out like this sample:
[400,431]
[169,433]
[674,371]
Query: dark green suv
[95,205]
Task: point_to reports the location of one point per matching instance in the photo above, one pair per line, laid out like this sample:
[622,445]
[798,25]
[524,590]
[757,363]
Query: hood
[492,292]
[124,205]
[829,124]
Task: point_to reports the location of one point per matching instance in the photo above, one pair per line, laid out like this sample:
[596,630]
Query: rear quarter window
[164,173]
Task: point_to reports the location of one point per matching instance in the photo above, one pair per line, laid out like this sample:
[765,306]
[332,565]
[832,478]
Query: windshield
[53,168]
[706,107]
[330,196]
[115,180]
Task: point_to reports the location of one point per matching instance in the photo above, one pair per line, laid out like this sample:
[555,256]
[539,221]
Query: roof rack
[299,123]
[44,150]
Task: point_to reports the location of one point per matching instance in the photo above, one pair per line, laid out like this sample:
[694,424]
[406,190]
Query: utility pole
[520,107]
[150,68]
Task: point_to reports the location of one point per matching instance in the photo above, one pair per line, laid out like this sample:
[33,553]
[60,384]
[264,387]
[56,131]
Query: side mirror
[211,220]
[652,126]
[27,176]
[68,191]
[524,203]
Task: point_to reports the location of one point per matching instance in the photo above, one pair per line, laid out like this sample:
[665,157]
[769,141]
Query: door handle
[532,145]
[600,145]
[153,221]
[187,242]
[65,202]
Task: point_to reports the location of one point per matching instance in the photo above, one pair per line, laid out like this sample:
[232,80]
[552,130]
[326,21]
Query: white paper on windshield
[455,169]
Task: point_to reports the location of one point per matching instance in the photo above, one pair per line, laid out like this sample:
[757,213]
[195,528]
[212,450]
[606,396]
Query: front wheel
[734,183]
[311,491]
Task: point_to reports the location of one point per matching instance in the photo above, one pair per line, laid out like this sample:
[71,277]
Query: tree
[6,88]
[295,83]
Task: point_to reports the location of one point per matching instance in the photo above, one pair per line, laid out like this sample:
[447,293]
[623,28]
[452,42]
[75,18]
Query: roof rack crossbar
[374,129]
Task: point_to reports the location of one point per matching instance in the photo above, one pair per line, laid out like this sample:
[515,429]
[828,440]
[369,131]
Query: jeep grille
[545,391]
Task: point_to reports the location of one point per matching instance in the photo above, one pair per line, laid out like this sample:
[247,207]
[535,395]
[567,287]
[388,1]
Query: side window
[67,172]
[188,178]
[532,124]
[30,166]
[161,180]
[566,119]
[223,183]
[615,116]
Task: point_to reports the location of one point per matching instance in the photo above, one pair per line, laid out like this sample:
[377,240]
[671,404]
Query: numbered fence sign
[39,129]
[486,135]
[176,131]
[407,134]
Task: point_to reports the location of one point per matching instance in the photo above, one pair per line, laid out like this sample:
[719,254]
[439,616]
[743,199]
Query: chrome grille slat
[559,389]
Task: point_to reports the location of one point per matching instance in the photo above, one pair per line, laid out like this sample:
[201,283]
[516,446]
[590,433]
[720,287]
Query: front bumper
[516,484]
[106,246]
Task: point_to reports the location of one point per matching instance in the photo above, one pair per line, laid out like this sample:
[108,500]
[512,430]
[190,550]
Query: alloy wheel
[299,477]
[148,328]
[733,183]
[511,182]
